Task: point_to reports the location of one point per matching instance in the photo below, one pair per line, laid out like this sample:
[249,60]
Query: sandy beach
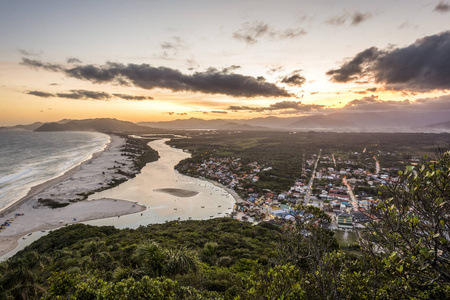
[36,219]
[92,174]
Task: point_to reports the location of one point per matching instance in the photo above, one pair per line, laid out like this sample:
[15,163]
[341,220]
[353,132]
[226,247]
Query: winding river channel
[167,194]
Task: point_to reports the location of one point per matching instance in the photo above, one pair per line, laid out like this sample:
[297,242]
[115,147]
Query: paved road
[350,193]
[377,165]
[311,181]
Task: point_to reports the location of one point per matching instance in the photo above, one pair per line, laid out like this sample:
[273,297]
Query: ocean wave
[15,176]
[41,157]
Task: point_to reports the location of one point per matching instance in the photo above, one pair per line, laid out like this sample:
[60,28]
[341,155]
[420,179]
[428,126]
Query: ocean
[31,158]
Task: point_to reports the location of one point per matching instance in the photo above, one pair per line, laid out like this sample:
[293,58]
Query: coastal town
[340,186]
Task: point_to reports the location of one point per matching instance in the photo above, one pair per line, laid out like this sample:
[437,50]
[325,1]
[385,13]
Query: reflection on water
[207,201]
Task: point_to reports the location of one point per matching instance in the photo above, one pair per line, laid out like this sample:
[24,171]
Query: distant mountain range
[379,121]
[392,121]
[98,125]
[443,125]
[29,127]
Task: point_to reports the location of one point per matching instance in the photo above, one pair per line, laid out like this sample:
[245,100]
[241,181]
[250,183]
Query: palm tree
[151,257]
[209,253]
[181,261]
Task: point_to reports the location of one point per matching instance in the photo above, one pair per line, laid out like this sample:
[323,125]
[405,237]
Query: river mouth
[177,192]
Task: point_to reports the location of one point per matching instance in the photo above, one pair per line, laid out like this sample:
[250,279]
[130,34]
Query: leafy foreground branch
[404,254]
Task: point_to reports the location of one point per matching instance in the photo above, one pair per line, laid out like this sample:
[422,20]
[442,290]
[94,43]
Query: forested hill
[98,125]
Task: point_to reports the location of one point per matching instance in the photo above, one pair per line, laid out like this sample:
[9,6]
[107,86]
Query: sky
[166,60]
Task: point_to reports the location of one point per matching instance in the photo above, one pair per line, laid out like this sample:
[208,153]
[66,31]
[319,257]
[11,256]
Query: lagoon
[167,194]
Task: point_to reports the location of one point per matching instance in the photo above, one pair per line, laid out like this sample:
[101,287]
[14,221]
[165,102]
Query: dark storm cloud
[230,69]
[131,97]
[85,95]
[88,95]
[355,19]
[211,81]
[296,106]
[442,7]
[73,60]
[422,66]
[40,65]
[219,112]
[40,94]
[369,90]
[294,79]
[250,33]
[356,67]
[359,17]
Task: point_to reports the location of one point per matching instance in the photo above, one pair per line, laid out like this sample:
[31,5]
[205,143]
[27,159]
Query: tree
[151,257]
[280,282]
[306,237]
[19,278]
[209,253]
[180,261]
[409,237]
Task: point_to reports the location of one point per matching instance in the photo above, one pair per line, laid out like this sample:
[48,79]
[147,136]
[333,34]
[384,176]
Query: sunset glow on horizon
[165,60]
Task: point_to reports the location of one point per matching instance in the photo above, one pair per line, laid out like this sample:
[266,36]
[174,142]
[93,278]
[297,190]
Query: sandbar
[178,192]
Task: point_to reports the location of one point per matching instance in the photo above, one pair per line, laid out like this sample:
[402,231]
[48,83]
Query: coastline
[35,190]
[232,192]
[87,175]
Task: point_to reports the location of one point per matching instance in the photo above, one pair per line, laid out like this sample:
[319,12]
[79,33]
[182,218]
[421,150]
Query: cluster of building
[230,172]
[327,182]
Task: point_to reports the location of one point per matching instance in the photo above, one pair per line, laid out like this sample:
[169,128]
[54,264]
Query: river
[157,187]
